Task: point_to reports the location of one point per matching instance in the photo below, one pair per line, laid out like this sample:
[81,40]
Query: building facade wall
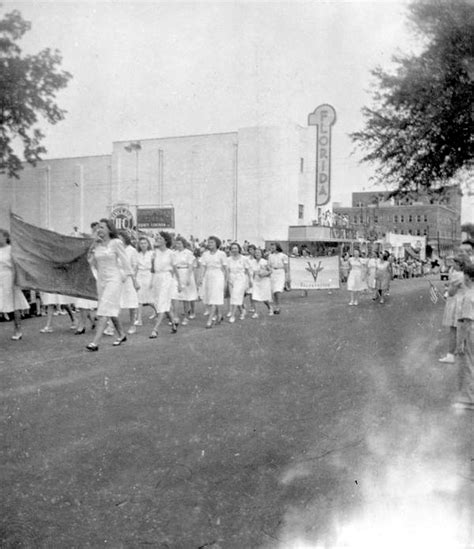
[246,185]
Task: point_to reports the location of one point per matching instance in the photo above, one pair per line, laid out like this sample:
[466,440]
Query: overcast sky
[155,69]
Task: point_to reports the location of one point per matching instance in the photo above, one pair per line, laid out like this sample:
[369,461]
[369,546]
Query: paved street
[326,426]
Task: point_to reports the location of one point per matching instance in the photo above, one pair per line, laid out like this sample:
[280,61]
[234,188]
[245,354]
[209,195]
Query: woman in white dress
[129,295]
[12,299]
[163,284]
[383,275]
[450,316]
[144,277]
[253,265]
[371,270]
[278,262]
[213,263]
[262,288]
[238,276]
[107,256]
[356,280]
[185,263]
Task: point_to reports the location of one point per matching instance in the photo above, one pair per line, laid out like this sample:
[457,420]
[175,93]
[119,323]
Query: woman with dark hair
[238,276]
[251,248]
[262,289]
[185,264]
[163,284]
[129,296]
[144,277]
[213,262]
[355,281]
[383,275]
[12,299]
[107,256]
[280,274]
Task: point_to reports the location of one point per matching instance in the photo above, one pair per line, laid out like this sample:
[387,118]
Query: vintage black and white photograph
[237,274]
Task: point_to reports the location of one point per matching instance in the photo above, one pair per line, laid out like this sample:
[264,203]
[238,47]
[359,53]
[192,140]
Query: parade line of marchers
[108,272]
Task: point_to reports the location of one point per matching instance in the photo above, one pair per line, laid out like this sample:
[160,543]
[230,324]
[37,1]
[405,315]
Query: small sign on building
[155,218]
[122,218]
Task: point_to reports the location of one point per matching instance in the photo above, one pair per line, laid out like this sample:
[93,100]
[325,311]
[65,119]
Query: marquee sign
[323,118]
[155,218]
[122,218]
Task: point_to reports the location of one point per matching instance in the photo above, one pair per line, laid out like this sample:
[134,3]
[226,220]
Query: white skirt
[188,291]
[56,299]
[262,289]
[109,296]
[129,297]
[238,285]
[213,287]
[144,280]
[277,280]
[82,303]
[11,297]
[163,291]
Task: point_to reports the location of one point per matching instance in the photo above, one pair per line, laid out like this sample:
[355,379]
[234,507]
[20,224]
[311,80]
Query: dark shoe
[153,335]
[276,311]
[80,332]
[16,337]
[119,341]
[174,327]
[92,347]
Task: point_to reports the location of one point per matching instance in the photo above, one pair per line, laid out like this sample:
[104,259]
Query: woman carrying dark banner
[12,299]
[107,255]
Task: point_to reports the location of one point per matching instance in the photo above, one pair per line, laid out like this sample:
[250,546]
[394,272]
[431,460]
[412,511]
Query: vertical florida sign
[323,118]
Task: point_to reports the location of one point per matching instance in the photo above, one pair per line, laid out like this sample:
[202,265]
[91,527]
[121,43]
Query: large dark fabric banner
[51,262]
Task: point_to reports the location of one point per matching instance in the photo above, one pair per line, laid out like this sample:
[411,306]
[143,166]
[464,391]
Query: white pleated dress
[238,279]
[164,284]
[144,277]
[11,297]
[112,265]
[262,287]
[185,263]
[356,281]
[213,282]
[129,296]
[278,261]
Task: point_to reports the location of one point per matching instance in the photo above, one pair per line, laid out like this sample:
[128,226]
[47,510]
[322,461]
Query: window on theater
[300,211]
[301,167]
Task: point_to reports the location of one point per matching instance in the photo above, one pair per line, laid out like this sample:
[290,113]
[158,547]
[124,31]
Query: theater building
[251,184]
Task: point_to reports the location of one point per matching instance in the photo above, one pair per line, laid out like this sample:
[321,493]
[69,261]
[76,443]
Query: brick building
[436,216]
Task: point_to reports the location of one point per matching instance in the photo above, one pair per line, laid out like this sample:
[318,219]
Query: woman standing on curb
[107,256]
[144,277]
[213,263]
[12,299]
[355,280]
[238,276]
[371,271]
[163,284]
[185,264]
[278,262]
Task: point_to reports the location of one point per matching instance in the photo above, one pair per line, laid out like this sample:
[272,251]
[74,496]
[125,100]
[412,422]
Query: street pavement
[327,426]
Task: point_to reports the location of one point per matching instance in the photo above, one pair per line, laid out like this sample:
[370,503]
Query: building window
[376,218]
[425,232]
[300,211]
[410,231]
[301,166]
[361,218]
[395,231]
[418,232]
[426,218]
[410,218]
[402,231]
[418,218]
[395,218]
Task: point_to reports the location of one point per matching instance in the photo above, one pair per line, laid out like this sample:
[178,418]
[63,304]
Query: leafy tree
[420,129]
[28,86]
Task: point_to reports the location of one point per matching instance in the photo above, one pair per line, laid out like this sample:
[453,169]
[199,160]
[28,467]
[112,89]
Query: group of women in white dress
[162,278]
[373,274]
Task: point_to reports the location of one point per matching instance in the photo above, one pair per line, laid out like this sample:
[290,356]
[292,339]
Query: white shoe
[229,314]
[152,316]
[232,319]
[184,322]
[192,317]
[206,313]
[270,312]
[255,315]
[138,323]
[109,332]
[449,359]
[243,315]
[132,330]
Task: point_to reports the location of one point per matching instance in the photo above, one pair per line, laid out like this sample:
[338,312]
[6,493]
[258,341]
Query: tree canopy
[419,130]
[28,87]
